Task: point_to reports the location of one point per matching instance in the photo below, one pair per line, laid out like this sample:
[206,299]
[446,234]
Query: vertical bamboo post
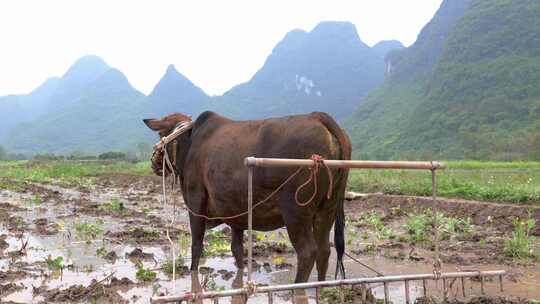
[482,283]
[250,221]
[386,293]
[407,295]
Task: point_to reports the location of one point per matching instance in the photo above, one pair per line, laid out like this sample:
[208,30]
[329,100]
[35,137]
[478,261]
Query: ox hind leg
[321,229]
[299,227]
[237,246]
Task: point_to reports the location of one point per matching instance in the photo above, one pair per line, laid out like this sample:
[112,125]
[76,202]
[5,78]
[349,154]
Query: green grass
[145,275]
[114,205]
[515,182]
[521,245]
[68,172]
[56,263]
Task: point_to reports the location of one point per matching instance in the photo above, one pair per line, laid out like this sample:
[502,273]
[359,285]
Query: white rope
[181,128]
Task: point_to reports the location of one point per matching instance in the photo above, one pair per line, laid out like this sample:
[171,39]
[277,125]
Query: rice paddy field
[96,231]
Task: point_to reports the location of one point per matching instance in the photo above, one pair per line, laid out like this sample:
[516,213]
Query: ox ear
[155,124]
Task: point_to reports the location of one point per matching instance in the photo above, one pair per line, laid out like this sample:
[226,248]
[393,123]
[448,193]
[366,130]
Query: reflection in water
[238,282]
[196,287]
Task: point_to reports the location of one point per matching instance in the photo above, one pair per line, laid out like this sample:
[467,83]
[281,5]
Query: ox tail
[339,226]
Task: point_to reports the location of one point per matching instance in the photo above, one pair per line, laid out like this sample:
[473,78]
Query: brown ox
[210,165]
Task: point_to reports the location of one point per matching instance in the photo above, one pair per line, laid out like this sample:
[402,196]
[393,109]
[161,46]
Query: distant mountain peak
[335,26]
[171,69]
[111,81]
[336,31]
[382,48]
[174,84]
[85,70]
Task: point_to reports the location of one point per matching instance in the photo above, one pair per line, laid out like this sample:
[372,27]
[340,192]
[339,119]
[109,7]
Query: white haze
[216,44]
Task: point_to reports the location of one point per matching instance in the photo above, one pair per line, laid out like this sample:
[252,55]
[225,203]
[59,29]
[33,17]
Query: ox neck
[183,144]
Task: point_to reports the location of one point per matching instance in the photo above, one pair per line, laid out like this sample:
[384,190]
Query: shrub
[112,156]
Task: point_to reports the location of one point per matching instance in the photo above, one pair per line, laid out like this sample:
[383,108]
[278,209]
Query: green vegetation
[374,221]
[516,182]
[218,244]
[67,172]
[114,205]
[145,275]
[101,251]
[522,242]
[418,226]
[89,231]
[56,263]
[113,156]
[466,89]
[36,200]
[167,266]
[332,295]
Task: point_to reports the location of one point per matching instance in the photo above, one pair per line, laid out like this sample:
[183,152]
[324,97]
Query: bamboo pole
[360,164]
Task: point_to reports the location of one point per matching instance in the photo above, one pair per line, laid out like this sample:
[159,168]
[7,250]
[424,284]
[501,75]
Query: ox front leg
[198,227]
[237,246]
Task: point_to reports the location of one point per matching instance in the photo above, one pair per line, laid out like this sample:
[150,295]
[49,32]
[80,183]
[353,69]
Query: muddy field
[106,242]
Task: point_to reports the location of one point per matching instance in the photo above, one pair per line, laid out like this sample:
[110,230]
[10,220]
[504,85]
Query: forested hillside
[468,88]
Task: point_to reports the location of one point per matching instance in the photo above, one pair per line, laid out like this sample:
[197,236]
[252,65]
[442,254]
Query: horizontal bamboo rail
[359,164]
[287,287]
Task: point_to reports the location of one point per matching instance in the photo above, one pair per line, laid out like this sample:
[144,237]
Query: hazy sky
[216,44]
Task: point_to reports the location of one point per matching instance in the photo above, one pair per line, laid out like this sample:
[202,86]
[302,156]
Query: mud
[87,243]
[475,300]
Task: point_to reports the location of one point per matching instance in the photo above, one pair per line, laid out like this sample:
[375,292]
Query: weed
[278,260]
[145,275]
[36,200]
[482,243]
[374,220]
[332,295]
[211,284]
[259,236]
[155,289]
[146,210]
[418,226]
[89,231]
[521,243]
[114,205]
[184,242]
[371,248]
[56,263]
[101,251]
[88,268]
[167,266]
[218,244]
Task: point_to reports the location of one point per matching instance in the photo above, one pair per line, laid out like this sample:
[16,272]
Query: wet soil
[87,244]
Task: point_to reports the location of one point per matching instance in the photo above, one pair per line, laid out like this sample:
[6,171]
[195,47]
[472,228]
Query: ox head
[164,127]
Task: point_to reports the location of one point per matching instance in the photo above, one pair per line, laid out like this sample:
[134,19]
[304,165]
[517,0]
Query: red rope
[314,170]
